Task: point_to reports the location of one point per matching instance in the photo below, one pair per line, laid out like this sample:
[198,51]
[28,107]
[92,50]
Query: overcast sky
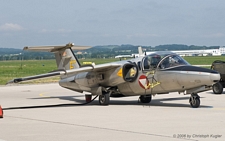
[107,22]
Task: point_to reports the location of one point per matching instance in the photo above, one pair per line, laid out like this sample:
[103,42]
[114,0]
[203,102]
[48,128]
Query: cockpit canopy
[161,60]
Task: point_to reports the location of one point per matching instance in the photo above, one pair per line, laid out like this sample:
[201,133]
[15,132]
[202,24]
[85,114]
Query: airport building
[207,52]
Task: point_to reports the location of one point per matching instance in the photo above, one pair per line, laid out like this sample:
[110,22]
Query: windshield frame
[164,55]
[180,62]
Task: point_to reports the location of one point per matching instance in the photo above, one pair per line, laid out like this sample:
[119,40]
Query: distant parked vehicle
[219,66]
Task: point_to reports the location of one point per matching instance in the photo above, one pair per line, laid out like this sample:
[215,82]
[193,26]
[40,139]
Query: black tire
[217,88]
[194,102]
[145,99]
[104,99]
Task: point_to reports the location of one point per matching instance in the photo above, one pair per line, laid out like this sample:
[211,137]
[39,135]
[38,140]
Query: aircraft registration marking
[72,62]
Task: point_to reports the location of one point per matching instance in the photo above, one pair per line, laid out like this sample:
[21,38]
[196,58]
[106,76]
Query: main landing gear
[145,98]
[104,98]
[194,100]
[218,88]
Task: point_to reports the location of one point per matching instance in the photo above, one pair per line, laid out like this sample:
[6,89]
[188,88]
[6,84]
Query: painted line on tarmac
[43,95]
[100,128]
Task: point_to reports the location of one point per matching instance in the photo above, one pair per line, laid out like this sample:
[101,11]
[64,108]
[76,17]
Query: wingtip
[10,82]
[14,81]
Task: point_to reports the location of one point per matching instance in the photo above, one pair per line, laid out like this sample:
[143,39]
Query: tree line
[107,51]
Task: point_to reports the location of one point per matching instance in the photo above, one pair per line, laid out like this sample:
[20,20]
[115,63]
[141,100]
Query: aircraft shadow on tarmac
[210,92]
[68,98]
[164,102]
[158,103]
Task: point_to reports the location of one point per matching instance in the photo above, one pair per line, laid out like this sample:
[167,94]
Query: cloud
[215,35]
[141,35]
[64,30]
[11,27]
[43,31]
[55,31]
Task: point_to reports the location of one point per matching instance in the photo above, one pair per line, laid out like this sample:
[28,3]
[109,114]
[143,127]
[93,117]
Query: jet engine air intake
[130,72]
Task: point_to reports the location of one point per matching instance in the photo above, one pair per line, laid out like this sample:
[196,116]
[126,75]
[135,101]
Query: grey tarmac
[167,117]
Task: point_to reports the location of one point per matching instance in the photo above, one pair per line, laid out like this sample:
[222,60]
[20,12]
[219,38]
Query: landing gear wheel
[217,88]
[104,99]
[194,100]
[145,98]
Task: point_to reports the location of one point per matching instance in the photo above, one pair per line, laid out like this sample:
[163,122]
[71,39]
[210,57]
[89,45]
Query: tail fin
[140,52]
[65,58]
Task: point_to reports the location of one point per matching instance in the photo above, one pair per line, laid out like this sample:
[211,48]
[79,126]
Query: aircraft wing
[17,80]
[101,67]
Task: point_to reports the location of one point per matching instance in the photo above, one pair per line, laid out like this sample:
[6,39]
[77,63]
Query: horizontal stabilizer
[55,48]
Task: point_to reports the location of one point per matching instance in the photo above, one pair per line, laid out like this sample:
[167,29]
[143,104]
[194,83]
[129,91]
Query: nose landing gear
[194,100]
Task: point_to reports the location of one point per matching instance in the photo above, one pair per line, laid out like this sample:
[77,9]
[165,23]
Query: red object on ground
[1,112]
[88,98]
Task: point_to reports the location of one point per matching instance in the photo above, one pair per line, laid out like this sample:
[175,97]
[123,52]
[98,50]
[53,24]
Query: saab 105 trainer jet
[156,73]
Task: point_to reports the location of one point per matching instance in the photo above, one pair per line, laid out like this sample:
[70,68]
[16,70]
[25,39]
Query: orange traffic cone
[1,112]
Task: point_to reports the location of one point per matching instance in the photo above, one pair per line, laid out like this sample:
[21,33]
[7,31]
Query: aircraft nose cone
[215,77]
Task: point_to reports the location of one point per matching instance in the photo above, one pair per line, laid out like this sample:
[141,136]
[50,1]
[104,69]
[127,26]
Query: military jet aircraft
[156,73]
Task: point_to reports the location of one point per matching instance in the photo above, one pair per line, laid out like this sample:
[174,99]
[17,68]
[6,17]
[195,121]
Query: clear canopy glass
[162,60]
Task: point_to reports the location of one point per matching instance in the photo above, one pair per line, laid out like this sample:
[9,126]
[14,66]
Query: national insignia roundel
[143,82]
